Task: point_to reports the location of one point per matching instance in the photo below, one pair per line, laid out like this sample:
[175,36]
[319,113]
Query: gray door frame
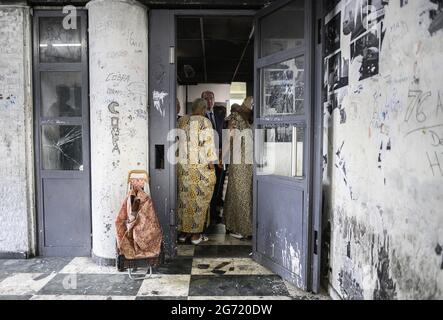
[41,174]
[313,223]
[317,170]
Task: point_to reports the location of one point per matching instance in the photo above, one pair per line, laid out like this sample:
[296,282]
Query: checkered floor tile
[220,268]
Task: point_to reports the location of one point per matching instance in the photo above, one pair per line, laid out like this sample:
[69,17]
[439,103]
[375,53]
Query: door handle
[294,152]
[172,217]
[159,156]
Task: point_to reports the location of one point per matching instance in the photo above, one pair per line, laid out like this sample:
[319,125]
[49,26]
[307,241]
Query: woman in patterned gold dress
[238,202]
[195,172]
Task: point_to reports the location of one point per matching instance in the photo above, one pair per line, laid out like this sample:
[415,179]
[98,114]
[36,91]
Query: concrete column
[17,232]
[118,62]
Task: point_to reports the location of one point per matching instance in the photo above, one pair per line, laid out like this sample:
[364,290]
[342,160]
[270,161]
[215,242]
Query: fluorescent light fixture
[66,44]
[61,44]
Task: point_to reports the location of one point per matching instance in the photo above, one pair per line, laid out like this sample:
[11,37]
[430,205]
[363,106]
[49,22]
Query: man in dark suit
[218,123]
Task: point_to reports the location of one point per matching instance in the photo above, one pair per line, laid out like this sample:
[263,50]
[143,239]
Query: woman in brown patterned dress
[195,172]
[238,201]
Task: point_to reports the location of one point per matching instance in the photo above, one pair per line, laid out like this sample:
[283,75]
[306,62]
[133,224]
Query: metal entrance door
[283,139]
[62,134]
[161,119]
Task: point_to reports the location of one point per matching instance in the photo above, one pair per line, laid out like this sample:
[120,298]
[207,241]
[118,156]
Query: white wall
[16,131]
[383,174]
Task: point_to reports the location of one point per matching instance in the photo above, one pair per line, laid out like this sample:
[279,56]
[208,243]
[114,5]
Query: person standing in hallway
[218,120]
[238,203]
[195,173]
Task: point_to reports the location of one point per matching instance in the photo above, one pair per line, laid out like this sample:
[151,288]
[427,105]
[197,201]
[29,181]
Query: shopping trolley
[132,265]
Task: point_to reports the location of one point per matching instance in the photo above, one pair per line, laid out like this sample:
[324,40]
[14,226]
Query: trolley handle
[138,171]
[146,180]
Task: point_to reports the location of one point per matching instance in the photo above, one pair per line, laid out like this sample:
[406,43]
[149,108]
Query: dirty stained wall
[16,165]
[118,61]
[383,148]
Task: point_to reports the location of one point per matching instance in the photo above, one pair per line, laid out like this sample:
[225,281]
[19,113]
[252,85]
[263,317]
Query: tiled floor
[220,268]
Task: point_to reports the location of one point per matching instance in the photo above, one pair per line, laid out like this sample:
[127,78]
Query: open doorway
[215,61]
[285,115]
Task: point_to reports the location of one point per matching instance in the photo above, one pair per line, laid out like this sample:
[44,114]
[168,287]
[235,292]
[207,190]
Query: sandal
[183,237]
[202,238]
[236,235]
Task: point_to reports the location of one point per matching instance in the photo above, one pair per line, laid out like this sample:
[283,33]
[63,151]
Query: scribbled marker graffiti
[115,130]
[7,101]
[158,99]
[434,163]
[416,111]
[112,106]
[419,97]
[341,164]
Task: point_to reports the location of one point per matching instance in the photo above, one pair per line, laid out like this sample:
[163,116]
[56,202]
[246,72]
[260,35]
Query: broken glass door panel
[283,88]
[59,43]
[61,94]
[62,147]
[281,150]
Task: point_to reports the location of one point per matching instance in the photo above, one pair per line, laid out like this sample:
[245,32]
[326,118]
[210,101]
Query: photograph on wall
[336,102]
[436,16]
[362,15]
[332,102]
[333,30]
[366,51]
[375,12]
[338,72]
[325,73]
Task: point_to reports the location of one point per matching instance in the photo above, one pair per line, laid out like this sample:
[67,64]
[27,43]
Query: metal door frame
[313,167]
[317,157]
[37,68]
[313,245]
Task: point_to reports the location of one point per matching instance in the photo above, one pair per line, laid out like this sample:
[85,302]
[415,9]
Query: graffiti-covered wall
[118,58]
[383,148]
[16,151]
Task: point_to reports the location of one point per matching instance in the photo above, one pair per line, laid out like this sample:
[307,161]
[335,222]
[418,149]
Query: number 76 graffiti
[416,104]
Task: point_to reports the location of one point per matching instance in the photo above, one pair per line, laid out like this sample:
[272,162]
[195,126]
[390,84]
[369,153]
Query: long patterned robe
[195,180]
[238,202]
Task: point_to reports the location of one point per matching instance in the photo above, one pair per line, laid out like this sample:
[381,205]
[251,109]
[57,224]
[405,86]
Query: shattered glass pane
[283,88]
[61,94]
[281,150]
[62,147]
[283,29]
[58,44]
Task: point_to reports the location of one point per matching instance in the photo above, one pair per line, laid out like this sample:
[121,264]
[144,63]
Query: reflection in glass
[283,88]
[58,44]
[62,147]
[61,94]
[281,148]
[283,29]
